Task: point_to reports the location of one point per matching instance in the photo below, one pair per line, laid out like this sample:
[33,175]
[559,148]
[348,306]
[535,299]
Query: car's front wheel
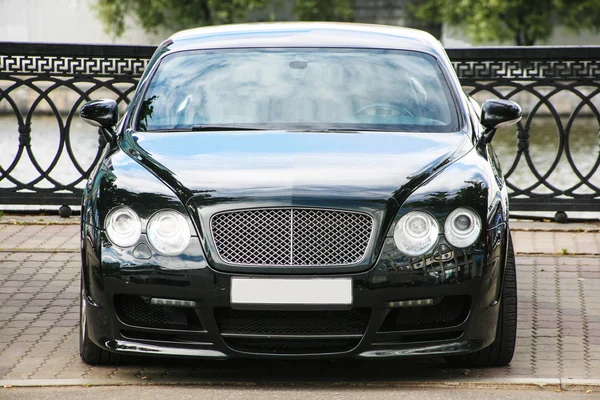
[501,351]
[89,352]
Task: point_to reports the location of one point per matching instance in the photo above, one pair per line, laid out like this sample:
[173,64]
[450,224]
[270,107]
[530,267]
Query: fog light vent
[174,303]
[449,311]
[410,303]
[146,312]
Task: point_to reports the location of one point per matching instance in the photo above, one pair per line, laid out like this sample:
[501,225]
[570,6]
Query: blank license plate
[291,291]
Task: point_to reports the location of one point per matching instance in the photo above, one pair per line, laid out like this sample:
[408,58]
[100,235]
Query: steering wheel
[382,106]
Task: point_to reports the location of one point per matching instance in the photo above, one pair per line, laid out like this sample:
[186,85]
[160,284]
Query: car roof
[305,34]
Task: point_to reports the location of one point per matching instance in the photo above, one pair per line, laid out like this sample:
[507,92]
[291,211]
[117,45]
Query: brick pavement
[55,237]
[558,334]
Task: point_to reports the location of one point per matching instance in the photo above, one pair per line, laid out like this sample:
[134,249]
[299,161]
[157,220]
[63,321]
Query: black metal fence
[545,171]
[556,160]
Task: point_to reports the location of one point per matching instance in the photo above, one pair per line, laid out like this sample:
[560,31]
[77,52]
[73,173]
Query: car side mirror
[100,113]
[498,114]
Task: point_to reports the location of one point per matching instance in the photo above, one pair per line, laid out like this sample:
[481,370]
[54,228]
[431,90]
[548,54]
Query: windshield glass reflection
[298,89]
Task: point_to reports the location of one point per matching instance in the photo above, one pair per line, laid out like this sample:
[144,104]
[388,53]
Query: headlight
[462,227]
[168,232]
[416,233]
[123,226]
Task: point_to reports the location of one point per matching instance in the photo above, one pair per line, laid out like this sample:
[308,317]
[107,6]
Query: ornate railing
[556,161]
[550,160]
[51,81]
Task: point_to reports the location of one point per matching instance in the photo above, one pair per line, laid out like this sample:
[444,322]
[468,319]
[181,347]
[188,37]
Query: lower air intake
[252,322]
[450,311]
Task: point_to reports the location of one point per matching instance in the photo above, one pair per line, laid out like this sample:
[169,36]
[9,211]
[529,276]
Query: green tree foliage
[523,22]
[173,14]
[181,14]
[324,10]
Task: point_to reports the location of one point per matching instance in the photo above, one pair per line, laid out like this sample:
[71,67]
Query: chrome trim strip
[308,337]
[136,347]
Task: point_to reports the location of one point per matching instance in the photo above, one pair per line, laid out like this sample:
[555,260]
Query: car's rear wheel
[501,351]
[89,352]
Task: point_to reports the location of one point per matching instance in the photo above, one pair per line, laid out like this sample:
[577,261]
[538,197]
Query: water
[46,142]
[57,156]
[582,144]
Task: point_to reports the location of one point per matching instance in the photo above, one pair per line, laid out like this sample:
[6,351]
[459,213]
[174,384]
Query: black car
[301,190]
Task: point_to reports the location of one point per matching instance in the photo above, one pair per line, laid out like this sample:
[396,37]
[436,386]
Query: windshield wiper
[349,130]
[383,129]
[199,128]
[223,128]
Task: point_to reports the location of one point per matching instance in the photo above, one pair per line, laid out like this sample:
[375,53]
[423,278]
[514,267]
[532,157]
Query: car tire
[501,351]
[89,351]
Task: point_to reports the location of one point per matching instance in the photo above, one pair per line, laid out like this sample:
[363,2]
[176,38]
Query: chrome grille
[291,236]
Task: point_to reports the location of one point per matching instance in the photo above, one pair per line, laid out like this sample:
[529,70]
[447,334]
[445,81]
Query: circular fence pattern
[51,82]
[559,91]
[41,83]
[562,122]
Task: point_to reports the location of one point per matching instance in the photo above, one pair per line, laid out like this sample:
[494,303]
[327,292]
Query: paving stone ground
[39,238]
[558,331]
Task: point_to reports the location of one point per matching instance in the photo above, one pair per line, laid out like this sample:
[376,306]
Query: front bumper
[119,290]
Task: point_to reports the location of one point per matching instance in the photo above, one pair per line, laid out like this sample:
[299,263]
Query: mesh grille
[252,322]
[302,237]
[135,311]
[324,237]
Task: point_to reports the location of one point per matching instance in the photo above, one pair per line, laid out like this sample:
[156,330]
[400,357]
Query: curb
[568,255]
[565,230]
[21,250]
[39,223]
[555,384]
[77,250]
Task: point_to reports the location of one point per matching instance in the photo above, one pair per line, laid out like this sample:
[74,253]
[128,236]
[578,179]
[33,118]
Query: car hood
[295,167]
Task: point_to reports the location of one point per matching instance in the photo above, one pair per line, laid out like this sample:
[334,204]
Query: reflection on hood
[286,162]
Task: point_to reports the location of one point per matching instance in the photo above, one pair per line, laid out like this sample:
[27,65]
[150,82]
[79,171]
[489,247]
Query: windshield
[303,89]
